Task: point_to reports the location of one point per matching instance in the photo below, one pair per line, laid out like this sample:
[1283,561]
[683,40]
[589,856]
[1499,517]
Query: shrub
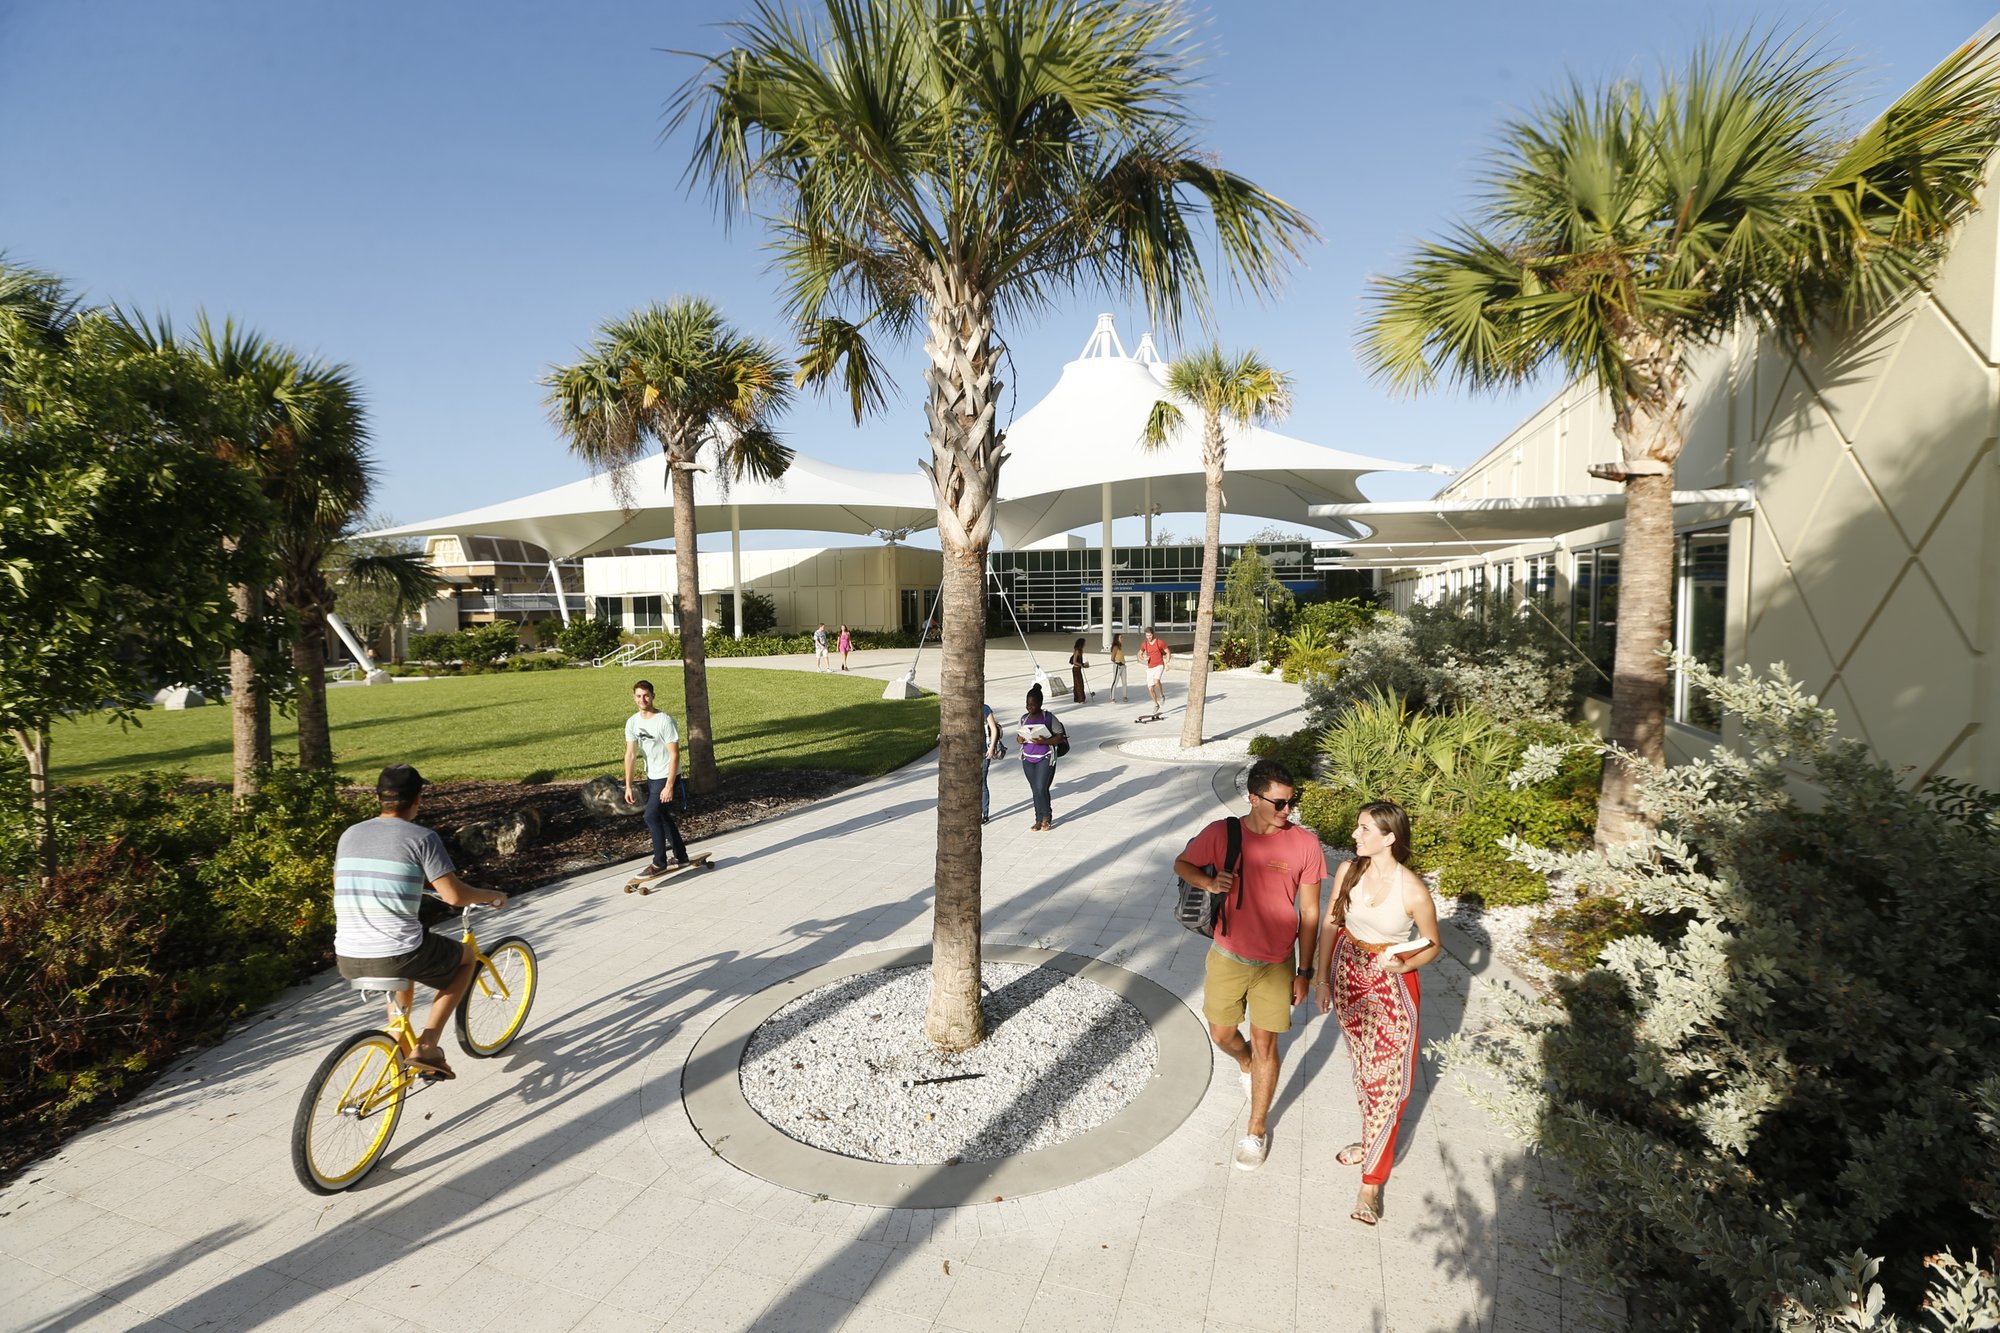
[171,913]
[1429,763]
[483,645]
[439,648]
[1231,652]
[547,632]
[1798,1066]
[538,662]
[760,613]
[1298,752]
[588,639]
[1507,662]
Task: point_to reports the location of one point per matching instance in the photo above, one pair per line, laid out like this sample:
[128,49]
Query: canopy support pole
[736,566]
[1105,646]
[562,600]
[1149,518]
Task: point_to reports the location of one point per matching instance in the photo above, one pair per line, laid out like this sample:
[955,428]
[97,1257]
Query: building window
[1539,574]
[646,613]
[1700,602]
[607,608]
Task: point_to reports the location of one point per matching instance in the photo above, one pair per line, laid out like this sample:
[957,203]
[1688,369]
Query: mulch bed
[573,840]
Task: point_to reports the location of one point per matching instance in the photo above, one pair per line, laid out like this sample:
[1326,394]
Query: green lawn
[551,724]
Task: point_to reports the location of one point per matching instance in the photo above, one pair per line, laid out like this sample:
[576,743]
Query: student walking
[1118,693]
[844,645]
[819,648]
[1154,649]
[1076,666]
[994,749]
[1038,730]
[1379,905]
[1266,932]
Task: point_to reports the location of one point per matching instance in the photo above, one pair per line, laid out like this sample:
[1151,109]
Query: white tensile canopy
[1407,533]
[1075,457]
[590,515]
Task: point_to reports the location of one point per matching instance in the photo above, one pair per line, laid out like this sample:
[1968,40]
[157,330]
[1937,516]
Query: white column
[736,565]
[1105,637]
[1149,515]
[562,601]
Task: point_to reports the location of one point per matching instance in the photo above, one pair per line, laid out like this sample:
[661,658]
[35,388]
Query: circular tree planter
[712,1093]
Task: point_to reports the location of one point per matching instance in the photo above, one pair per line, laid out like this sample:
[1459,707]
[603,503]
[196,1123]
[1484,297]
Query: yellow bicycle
[351,1106]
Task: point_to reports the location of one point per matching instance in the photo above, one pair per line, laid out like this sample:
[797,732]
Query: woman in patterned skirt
[1367,971]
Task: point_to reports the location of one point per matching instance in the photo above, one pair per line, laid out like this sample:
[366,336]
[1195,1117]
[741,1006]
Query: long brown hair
[1390,819]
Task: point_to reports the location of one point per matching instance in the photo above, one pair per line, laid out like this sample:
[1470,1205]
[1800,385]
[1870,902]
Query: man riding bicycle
[379,872]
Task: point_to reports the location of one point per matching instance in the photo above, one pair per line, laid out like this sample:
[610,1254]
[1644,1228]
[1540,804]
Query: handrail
[629,654]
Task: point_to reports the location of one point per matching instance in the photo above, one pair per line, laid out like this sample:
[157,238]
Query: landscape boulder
[176,697]
[502,836]
[605,797]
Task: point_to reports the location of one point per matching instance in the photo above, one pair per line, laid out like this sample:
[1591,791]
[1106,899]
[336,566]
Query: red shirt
[1156,655]
[1276,867]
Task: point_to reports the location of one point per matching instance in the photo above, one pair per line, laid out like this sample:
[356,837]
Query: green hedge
[171,914]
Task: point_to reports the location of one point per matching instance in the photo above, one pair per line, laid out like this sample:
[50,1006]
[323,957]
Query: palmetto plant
[1624,229]
[680,376]
[1430,763]
[942,166]
[1238,391]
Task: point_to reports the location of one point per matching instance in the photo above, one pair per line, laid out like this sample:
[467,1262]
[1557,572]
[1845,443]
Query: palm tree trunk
[1204,606]
[703,778]
[247,715]
[964,469]
[41,802]
[1638,672]
[309,666]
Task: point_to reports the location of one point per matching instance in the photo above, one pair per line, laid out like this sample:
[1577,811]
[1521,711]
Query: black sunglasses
[1285,804]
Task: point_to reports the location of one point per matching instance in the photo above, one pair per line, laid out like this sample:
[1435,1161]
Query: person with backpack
[1269,873]
[1042,740]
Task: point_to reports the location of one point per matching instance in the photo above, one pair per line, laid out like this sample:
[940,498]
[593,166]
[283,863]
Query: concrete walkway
[562,1187]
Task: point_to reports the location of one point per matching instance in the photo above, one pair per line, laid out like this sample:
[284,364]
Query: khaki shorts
[1154,674]
[1232,985]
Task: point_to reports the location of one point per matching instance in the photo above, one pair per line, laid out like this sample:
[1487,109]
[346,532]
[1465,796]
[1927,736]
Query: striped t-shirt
[379,872]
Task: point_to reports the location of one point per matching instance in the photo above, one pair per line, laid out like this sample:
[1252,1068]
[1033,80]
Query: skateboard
[1151,717]
[643,883]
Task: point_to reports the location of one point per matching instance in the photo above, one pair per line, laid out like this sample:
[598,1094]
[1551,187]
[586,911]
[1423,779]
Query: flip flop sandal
[1367,1214]
[431,1065]
[1352,1155]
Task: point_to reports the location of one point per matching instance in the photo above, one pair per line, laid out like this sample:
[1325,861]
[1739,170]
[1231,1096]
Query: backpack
[1059,735]
[1196,908]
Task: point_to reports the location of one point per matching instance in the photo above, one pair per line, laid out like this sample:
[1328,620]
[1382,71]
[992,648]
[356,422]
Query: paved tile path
[561,1187]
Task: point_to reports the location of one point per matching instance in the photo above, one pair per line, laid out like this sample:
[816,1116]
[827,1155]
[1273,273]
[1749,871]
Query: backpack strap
[1232,861]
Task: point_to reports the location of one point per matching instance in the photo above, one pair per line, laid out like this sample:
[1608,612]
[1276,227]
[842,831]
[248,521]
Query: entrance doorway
[1128,610]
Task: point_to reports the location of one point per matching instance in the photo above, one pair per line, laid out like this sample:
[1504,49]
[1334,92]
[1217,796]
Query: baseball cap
[399,781]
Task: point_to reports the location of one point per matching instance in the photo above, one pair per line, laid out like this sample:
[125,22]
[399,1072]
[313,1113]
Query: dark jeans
[661,824]
[985,790]
[1040,774]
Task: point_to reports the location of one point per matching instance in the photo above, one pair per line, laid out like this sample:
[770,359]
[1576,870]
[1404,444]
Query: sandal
[1367,1211]
[433,1064]
[1352,1155]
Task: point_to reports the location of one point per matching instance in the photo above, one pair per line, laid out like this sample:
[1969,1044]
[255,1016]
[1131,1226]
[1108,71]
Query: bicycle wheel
[348,1113]
[495,1007]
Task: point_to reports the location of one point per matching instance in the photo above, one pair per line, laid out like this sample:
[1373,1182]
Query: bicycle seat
[369,985]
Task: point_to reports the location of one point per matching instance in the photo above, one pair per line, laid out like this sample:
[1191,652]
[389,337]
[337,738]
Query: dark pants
[661,824]
[1040,774]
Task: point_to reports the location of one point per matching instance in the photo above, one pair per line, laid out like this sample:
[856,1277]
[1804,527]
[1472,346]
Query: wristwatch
[1305,973]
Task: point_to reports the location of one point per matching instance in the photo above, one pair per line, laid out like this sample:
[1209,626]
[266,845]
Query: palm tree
[1625,231]
[677,374]
[387,584]
[943,165]
[1243,392]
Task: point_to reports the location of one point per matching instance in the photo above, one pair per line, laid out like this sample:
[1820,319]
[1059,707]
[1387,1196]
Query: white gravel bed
[840,1068]
[1169,747]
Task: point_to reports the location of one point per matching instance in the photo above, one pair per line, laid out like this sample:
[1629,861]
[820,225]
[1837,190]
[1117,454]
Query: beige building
[873,588]
[1837,513]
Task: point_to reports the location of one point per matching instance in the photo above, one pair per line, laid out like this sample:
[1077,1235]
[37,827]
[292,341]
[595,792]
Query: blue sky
[449,197]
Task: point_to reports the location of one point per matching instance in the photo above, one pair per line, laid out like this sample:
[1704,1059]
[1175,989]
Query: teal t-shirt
[654,734]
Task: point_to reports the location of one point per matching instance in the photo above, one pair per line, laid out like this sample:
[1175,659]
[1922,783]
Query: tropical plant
[588,639]
[1236,391]
[379,582]
[1798,1066]
[1626,229]
[943,165]
[680,376]
[114,571]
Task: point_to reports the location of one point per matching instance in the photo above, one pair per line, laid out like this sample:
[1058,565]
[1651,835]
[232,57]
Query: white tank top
[1378,923]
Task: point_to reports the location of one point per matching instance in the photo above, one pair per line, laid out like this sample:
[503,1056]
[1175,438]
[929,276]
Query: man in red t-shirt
[1263,951]
[1157,656]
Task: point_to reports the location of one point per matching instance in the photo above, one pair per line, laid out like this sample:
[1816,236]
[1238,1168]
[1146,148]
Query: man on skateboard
[1157,656]
[652,732]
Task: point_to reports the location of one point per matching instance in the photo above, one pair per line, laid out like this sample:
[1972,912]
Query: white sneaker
[1250,1150]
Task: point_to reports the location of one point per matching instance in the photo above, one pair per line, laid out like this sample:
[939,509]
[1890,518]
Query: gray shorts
[434,962]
